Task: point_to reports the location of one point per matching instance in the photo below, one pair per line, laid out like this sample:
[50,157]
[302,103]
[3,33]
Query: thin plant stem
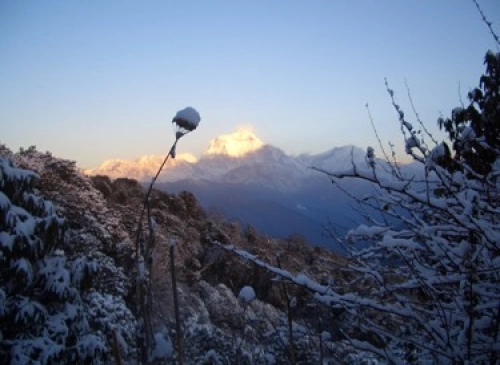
[487,22]
[143,304]
[178,329]
[291,344]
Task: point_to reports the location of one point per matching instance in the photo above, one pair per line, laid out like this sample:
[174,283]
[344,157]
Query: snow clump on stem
[187,119]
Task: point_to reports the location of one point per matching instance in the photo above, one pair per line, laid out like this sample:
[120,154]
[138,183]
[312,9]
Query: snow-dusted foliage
[475,129]
[426,283]
[42,317]
[109,315]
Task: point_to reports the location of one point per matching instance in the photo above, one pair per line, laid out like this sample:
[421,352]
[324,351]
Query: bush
[42,317]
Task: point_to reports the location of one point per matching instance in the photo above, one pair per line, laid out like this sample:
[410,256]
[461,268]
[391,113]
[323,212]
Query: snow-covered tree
[427,283]
[475,129]
[42,317]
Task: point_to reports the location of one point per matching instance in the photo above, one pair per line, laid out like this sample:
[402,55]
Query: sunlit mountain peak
[235,144]
[140,168]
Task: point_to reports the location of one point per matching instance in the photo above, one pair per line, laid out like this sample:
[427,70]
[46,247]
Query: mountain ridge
[231,157]
[265,187]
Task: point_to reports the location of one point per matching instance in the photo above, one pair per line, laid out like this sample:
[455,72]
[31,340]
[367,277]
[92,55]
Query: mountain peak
[140,168]
[235,144]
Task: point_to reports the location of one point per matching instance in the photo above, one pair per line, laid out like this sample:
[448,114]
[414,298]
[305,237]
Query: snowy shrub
[42,319]
[110,315]
[427,282]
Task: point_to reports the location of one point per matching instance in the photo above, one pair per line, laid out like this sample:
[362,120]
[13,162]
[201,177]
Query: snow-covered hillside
[100,217]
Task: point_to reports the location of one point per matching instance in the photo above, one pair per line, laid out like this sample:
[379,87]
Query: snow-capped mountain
[144,167]
[267,166]
[223,154]
[337,158]
[258,184]
[239,157]
[236,144]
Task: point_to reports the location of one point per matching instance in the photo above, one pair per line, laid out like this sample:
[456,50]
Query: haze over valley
[258,184]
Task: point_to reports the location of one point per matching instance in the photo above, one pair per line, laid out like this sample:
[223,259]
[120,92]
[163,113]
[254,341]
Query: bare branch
[394,168]
[488,23]
[417,116]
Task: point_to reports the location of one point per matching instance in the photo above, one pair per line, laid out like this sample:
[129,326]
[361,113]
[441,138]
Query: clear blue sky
[93,80]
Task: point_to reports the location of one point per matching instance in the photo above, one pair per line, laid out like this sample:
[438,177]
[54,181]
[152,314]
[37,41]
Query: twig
[395,169]
[143,300]
[488,23]
[291,344]
[178,329]
[417,116]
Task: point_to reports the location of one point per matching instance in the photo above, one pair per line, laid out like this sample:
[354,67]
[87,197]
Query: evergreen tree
[475,130]
[42,316]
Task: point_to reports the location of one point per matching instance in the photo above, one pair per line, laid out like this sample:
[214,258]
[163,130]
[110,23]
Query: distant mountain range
[258,184]
[240,158]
